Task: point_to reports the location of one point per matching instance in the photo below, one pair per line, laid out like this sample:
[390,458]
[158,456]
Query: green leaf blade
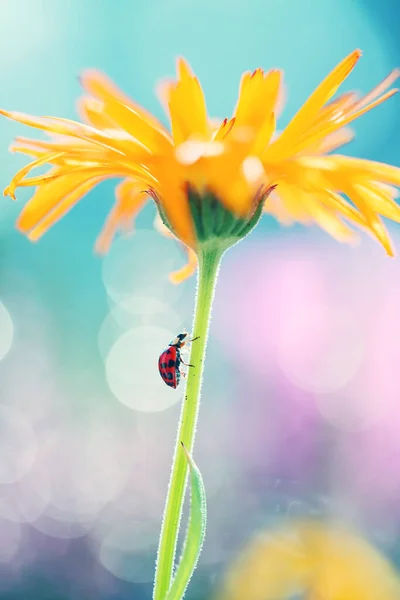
[195,533]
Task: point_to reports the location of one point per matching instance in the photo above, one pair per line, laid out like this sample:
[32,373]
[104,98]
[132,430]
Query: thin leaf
[195,533]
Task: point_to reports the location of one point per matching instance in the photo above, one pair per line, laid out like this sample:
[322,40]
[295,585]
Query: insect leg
[186,364]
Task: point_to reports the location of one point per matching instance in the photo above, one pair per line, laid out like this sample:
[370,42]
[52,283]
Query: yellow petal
[187,107]
[334,109]
[91,111]
[130,199]
[332,142]
[324,92]
[163,92]
[329,220]
[49,195]
[285,203]
[339,204]
[64,204]
[264,135]
[126,118]
[353,168]
[171,193]
[357,195]
[258,97]
[380,200]
[73,150]
[330,127]
[377,90]
[312,559]
[224,129]
[103,88]
[187,270]
[47,158]
[120,145]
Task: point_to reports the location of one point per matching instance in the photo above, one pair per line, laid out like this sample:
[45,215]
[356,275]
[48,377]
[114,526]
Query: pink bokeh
[321,333]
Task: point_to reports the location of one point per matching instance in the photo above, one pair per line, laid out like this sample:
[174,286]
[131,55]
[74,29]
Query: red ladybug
[170,360]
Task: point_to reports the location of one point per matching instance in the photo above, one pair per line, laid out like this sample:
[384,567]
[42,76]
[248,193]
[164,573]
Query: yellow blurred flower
[238,161]
[320,561]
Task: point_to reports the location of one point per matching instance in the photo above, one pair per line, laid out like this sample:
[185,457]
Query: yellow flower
[237,162]
[317,560]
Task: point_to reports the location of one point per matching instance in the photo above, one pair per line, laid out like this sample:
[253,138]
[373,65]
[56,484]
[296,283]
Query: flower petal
[380,200]
[224,129]
[102,87]
[187,106]
[330,127]
[48,196]
[120,145]
[65,203]
[256,104]
[127,119]
[117,109]
[90,110]
[130,198]
[170,192]
[357,195]
[323,93]
[187,270]
[48,158]
[377,90]
[332,141]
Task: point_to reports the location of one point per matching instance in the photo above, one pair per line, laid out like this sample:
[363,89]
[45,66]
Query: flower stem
[209,260]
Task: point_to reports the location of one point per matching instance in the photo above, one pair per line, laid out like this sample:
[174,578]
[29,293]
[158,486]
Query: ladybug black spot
[169,375]
[164,365]
[169,383]
[171,363]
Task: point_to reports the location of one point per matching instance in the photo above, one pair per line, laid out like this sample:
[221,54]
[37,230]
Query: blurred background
[300,414]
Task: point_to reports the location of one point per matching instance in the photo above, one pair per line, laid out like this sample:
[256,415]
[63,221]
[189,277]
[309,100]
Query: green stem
[209,260]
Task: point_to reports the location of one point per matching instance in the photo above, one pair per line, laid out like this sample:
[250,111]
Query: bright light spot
[6,331]
[109,332]
[135,312]
[61,529]
[107,466]
[141,306]
[132,370]
[81,481]
[147,310]
[356,407]
[93,471]
[191,151]
[321,349]
[140,265]
[129,551]
[253,169]
[18,445]
[9,540]
[24,500]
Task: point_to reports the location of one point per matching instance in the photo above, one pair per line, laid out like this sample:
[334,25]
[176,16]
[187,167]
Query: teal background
[84,470]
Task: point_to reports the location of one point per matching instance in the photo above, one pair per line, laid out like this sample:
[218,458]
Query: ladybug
[170,360]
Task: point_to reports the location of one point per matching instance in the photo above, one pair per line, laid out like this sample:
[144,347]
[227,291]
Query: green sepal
[161,211]
[195,203]
[214,222]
